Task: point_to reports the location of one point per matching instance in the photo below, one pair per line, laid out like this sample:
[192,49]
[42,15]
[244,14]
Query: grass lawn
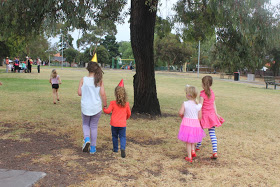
[37,135]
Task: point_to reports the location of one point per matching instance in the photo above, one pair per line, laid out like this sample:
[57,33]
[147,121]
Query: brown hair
[207,83]
[93,67]
[121,96]
[54,73]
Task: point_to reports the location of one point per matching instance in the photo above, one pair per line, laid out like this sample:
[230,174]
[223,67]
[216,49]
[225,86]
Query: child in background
[55,81]
[91,88]
[210,118]
[190,129]
[120,113]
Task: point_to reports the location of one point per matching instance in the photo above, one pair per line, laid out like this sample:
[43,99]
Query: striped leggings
[213,140]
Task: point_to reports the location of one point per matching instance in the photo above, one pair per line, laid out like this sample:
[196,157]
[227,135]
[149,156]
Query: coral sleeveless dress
[190,129]
[209,118]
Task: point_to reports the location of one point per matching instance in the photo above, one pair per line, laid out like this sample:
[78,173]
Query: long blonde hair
[192,92]
[54,74]
[121,96]
[207,83]
[93,67]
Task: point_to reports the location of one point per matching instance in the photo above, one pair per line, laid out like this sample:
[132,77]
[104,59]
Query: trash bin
[236,76]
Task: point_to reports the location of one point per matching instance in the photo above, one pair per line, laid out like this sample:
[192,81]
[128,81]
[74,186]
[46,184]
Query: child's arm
[109,109]
[200,112]
[216,110]
[103,95]
[128,111]
[50,81]
[59,80]
[182,111]
[80,87]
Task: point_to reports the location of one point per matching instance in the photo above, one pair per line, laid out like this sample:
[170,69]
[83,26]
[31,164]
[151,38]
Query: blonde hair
[192,92]
[207,83]
[121,96]
[93,67]
[54,73]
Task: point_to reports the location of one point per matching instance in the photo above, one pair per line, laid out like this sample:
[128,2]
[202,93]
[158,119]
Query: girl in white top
[91,88]
[190,129]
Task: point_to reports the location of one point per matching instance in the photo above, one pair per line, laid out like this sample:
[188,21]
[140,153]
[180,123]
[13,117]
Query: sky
[165,10]
[123,29]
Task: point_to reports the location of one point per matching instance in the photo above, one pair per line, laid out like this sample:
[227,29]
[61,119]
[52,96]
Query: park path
[243,80]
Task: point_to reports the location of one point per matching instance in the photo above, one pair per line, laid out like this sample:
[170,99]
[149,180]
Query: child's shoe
[92,149]
[196,149]
[214,156]
[188,159]
[193,154]
[86,144]
[123,153]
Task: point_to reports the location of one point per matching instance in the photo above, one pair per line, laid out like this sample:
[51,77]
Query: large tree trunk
[142,26]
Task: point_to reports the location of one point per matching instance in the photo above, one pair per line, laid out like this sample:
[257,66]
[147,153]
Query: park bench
[270,80]
[222,75]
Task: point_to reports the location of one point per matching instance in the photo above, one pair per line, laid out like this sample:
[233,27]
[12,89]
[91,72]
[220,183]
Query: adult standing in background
[38,64]
[7,64]
[28,64]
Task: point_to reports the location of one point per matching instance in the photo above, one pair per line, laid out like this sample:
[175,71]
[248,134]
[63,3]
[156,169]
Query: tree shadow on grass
[61,169]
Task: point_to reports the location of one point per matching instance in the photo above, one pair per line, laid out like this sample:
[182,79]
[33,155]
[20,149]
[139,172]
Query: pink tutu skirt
[191,131]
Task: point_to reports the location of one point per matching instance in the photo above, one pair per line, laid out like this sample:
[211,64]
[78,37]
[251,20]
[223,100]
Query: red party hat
[121,84]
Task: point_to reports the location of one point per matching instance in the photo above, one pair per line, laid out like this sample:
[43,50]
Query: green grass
[248,142]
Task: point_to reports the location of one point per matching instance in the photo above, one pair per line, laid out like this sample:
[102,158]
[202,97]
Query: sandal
[188,159]
[214,156]
[54,102]
[193,154]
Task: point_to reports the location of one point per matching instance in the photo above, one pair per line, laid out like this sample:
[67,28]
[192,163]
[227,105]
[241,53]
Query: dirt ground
[27,155]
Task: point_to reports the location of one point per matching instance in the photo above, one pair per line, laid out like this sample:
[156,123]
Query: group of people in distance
[25,66]
[196,116]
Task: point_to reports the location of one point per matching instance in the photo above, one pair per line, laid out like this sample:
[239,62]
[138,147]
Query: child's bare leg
[57,94]
[193,147]
[189,150]
[54,93]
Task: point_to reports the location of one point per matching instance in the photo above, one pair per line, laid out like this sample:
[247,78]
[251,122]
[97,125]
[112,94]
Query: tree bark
[142,26]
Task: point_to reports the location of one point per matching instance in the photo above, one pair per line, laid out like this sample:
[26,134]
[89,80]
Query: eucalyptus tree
[31,17]
[243,28]
[125,50]
[172,51]
[103,55]
[112,46]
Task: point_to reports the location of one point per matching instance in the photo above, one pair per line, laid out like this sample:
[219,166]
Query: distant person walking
[16,65]
[55,81]
[120,113]
[7,64]
[28,64]
[38,64]
[92,92]
[190,129]
[210,117]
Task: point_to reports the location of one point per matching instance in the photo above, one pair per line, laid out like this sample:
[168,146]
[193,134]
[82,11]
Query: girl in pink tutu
[210,117]
[190,129]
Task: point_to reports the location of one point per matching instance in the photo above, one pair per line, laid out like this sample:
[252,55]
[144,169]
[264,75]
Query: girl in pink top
[210,117]
[190,129]
[55,81]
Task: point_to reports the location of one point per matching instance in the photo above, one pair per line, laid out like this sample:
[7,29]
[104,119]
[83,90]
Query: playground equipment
[118,63]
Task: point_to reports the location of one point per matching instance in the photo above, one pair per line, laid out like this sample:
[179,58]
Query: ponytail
[207,83]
